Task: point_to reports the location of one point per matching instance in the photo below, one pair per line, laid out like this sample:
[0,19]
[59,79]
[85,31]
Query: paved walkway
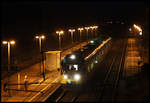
[133,87]
[37,86]
[132,58]
[32,77]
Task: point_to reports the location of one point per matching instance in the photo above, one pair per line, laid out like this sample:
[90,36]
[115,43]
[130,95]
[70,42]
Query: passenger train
[78,66]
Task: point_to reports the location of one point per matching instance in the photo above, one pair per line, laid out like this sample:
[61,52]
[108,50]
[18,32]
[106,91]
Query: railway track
[112,78]
[104,90]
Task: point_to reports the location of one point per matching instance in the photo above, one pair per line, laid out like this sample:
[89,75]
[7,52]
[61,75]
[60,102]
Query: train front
[71,69]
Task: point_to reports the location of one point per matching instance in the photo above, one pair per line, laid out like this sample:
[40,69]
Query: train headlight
[65,76]
[72,57]
[91,41]
[77,77]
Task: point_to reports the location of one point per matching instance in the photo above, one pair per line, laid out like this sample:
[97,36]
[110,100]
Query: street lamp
[9,43]
[41,37]
[61,32]
[87,28]
[80,29]
[138,28]
[71,30]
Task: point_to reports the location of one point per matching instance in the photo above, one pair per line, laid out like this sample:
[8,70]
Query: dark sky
[20,21]
[25,17]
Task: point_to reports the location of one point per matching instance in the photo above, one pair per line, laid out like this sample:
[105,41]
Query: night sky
[31,17]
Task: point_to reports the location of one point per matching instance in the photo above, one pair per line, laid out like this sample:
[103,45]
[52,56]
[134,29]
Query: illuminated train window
[73,67]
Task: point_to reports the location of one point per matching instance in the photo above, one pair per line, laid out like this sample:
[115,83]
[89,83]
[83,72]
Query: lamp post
[9,43]
[80,29]
[95,27]
[61,32]
[87,28]
[92,27]
[71,30]
[41,37]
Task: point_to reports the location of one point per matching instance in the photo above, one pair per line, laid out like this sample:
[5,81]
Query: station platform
[36,88]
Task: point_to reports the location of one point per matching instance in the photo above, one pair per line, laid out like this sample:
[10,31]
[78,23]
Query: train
[78,66]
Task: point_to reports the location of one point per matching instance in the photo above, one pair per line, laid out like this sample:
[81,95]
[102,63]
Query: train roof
[86,50]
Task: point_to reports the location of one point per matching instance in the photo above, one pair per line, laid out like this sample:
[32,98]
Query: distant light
[4,42]
[92,27]
[37,37]
[72,56]
[12,42]
[42,36]
[57,32]
[140,33]
[60,32]
[137,27]
[95,27]
[80,29]
[91,41]
[87,28]
[65,76]
[77,77]
[130,29]
[96,61]
[71,30]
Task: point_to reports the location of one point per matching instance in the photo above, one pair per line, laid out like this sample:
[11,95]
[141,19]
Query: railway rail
[103,91]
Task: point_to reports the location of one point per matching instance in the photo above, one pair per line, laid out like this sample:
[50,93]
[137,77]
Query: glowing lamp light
[71,30]
[87,28]
[4,42]
[42,36]
[36,37]
[92,27]
[57,32]
[12,42]
[95,27]
[61,32]
[80,29]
